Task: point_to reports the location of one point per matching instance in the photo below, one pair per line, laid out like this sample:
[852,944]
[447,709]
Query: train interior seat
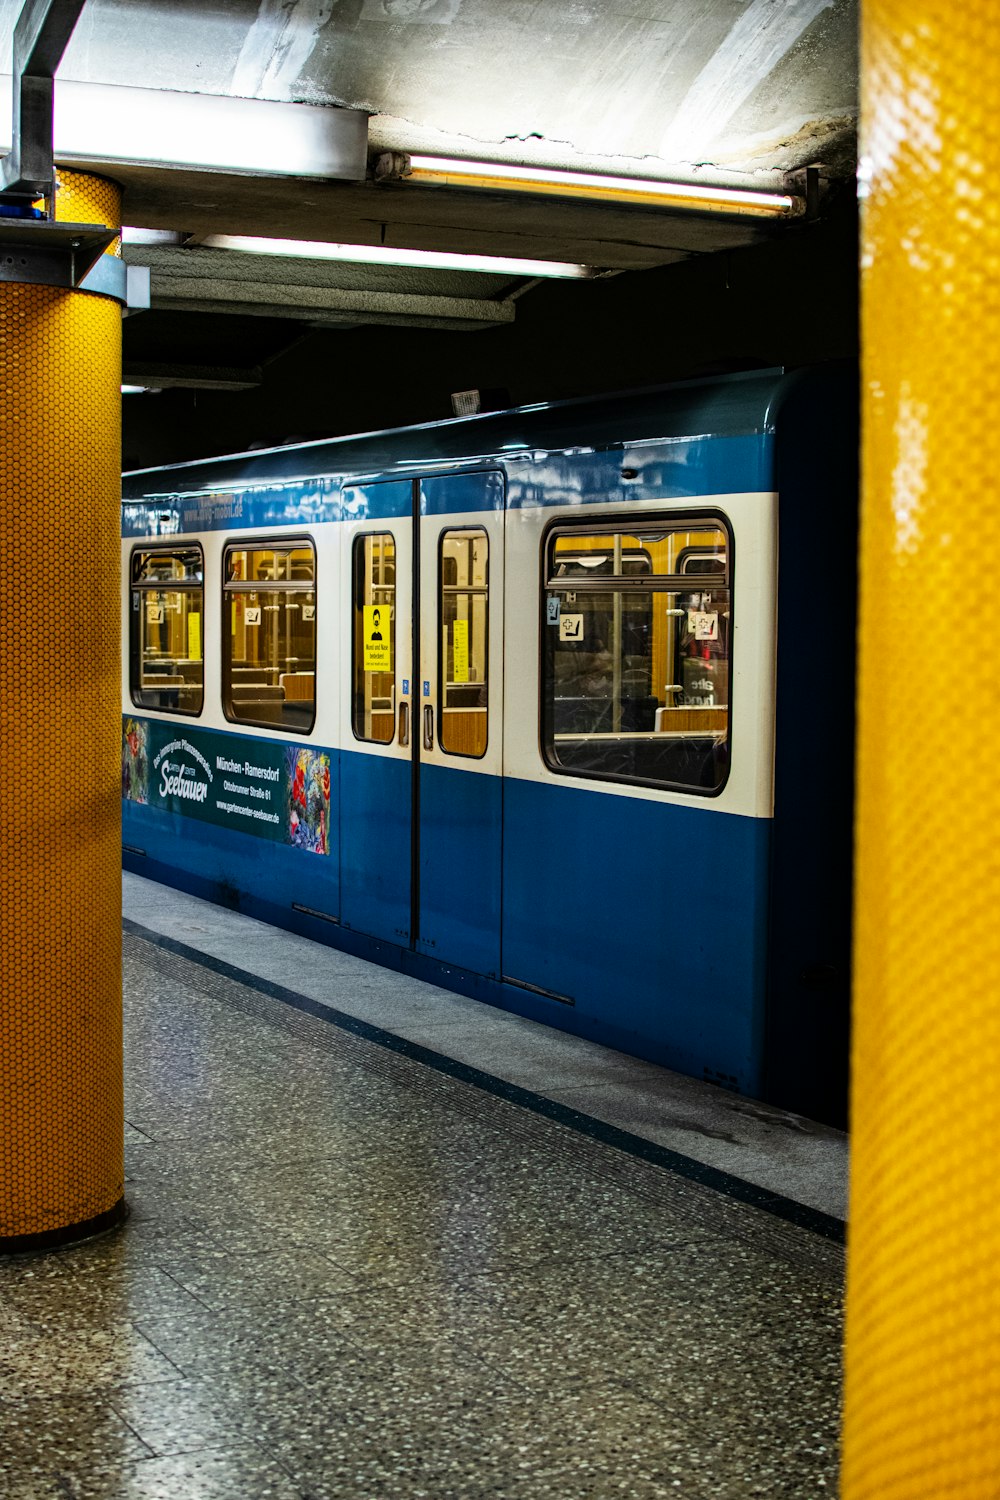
[255,701]
[298,686]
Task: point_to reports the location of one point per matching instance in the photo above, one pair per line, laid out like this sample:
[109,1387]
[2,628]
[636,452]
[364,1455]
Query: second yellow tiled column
[923,1377]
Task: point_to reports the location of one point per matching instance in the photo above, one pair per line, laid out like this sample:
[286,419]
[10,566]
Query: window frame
[164,549]
[633,523]
[441,653]
[237,543]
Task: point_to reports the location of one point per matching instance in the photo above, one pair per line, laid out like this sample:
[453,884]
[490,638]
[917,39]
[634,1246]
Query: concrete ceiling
[648,86]
[733,92]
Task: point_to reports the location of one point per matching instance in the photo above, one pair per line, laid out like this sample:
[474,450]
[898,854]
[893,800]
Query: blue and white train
[553,707]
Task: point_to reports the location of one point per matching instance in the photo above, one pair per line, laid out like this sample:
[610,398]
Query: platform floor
[378,1251]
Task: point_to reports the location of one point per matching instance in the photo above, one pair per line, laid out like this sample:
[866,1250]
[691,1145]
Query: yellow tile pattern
[60,731]
[83,199]
[923,1376]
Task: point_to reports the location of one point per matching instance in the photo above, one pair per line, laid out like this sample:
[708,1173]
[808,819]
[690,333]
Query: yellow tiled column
[923,1341]
[61,1170]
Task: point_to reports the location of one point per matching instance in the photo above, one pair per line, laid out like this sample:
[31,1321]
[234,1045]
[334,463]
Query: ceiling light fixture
[383,255]
[105,124]
[640,192]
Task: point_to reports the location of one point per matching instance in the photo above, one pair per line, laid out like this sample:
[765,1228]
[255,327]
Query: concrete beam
[170,376]
[320,306]
[322,292]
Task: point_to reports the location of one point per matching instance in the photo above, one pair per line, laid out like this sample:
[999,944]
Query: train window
[373,710]
[463,621]
[269,634]
[635,632]
[166,669]
[692,560]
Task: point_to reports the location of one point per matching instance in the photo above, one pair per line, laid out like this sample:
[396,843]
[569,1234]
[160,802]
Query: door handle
[404,723]
[428,728]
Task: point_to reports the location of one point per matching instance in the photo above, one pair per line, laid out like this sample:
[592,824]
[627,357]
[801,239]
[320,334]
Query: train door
[376,771]
[460,803]
[421,803]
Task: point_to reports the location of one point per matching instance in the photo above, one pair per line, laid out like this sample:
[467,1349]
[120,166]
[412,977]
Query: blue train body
[703,924]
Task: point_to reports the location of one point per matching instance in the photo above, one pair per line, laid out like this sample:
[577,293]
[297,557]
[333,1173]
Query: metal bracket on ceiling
[50,254]
[809,184]
[391,166]
[42,253]
[41,35]
[34,248]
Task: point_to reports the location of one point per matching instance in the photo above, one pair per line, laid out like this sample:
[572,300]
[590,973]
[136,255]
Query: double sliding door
[421,794]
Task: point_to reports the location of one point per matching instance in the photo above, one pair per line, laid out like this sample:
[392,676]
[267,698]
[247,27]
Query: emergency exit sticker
[376,646]
[703,625]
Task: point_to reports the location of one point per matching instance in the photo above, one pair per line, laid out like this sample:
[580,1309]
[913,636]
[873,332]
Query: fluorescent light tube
[643,192]
[382,255]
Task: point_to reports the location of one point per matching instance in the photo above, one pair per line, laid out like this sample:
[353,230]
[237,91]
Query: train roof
[719,406]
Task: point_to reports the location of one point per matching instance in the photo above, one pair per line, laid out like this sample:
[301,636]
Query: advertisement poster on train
[135,760]
[272,791]
[309,798]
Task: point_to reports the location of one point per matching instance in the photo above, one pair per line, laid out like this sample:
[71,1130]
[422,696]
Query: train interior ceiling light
[508,177]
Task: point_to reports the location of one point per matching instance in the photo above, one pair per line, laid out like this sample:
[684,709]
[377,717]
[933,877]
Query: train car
[553,707]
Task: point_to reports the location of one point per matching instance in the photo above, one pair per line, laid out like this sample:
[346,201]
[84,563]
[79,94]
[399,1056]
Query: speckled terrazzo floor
[759,1144]
[348,1275]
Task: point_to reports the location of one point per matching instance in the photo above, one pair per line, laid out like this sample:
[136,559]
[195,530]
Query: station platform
[389,1242]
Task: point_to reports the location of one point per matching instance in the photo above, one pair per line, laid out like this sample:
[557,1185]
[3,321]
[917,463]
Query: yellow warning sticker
[460,651]
[194,637]
[376,645]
